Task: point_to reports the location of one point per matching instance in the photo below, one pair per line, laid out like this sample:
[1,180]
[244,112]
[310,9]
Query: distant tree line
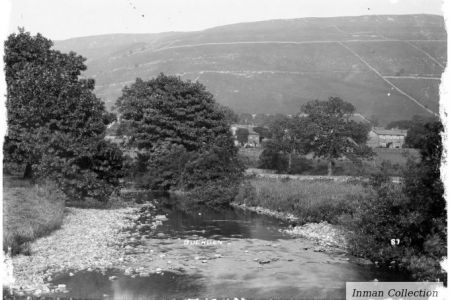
[323,128]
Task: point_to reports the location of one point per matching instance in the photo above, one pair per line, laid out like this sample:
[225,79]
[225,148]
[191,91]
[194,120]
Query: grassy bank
[29,211]
[310,201]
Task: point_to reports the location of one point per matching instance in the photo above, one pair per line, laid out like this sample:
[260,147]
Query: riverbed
[172,249]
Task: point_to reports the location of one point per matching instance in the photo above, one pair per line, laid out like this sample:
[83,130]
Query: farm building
[254,140]
[386,138]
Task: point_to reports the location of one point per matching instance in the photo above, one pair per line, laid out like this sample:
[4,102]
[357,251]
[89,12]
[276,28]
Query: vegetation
[332,135]
[413,214]
[309,200]
[167,109]
[185,138]
[325,129]
[29,211]
[416,130]
[60,133]
[242,135]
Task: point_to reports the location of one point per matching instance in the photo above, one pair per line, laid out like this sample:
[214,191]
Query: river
[202,252]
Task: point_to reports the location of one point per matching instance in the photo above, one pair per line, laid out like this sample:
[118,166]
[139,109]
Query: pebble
[161,218]
[262,262]
[112,278]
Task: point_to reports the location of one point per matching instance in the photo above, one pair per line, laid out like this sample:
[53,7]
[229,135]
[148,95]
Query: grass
[309,200]
[29,211]
[396,159]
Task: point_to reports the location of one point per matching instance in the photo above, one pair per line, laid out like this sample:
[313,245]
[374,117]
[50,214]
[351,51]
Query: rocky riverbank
[268,212]
[88,239]
[328,237]
[324,234]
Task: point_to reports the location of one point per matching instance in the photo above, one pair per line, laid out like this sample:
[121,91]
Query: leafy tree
[291,136]
[263,132]
[242,135]
[230,116]
[272,158]
[186,136]
[162,167]
[55,122]
[331,132]
[214,175]
[168,109]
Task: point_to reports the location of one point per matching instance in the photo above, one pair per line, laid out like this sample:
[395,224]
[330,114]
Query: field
[310,201]
[29,211]
[275,66]
[396,157]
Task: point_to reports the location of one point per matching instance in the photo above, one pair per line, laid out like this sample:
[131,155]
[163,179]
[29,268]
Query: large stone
[161,218]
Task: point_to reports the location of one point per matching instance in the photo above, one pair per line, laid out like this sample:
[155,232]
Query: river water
[207,252]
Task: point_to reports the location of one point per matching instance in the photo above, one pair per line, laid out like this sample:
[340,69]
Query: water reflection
[95,285]
[187,220]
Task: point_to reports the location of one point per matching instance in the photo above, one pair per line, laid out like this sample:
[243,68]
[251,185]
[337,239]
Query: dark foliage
[185,138]
[56,124]
[414,213]
[168,109]
[242,135]
[332,133]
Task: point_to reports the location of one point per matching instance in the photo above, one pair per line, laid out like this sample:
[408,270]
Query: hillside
[389,67]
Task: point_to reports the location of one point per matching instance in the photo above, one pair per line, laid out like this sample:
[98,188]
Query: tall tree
[168,109]
[333,134]
[55,122]
[291,135]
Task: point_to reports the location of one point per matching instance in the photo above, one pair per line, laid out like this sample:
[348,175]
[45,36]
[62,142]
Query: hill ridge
[275,66]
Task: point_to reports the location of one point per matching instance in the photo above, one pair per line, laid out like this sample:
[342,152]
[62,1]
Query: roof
[382,131]
[248,127]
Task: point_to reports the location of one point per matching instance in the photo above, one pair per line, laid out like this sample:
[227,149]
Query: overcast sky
[61,19]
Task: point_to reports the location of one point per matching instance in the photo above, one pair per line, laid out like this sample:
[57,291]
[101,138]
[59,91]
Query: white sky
[61,19]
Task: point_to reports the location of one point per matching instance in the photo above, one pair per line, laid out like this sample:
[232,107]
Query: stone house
[254,140]
[386,138]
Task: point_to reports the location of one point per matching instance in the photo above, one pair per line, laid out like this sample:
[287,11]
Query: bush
[92,174]
[272,158]
[300,164]
[214,193]
[211,166]
[413,213]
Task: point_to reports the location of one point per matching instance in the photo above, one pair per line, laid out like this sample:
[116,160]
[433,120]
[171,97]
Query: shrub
[413,213]
[217,162]
[214,193]
[299,165]
[93,173]
[272,158]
